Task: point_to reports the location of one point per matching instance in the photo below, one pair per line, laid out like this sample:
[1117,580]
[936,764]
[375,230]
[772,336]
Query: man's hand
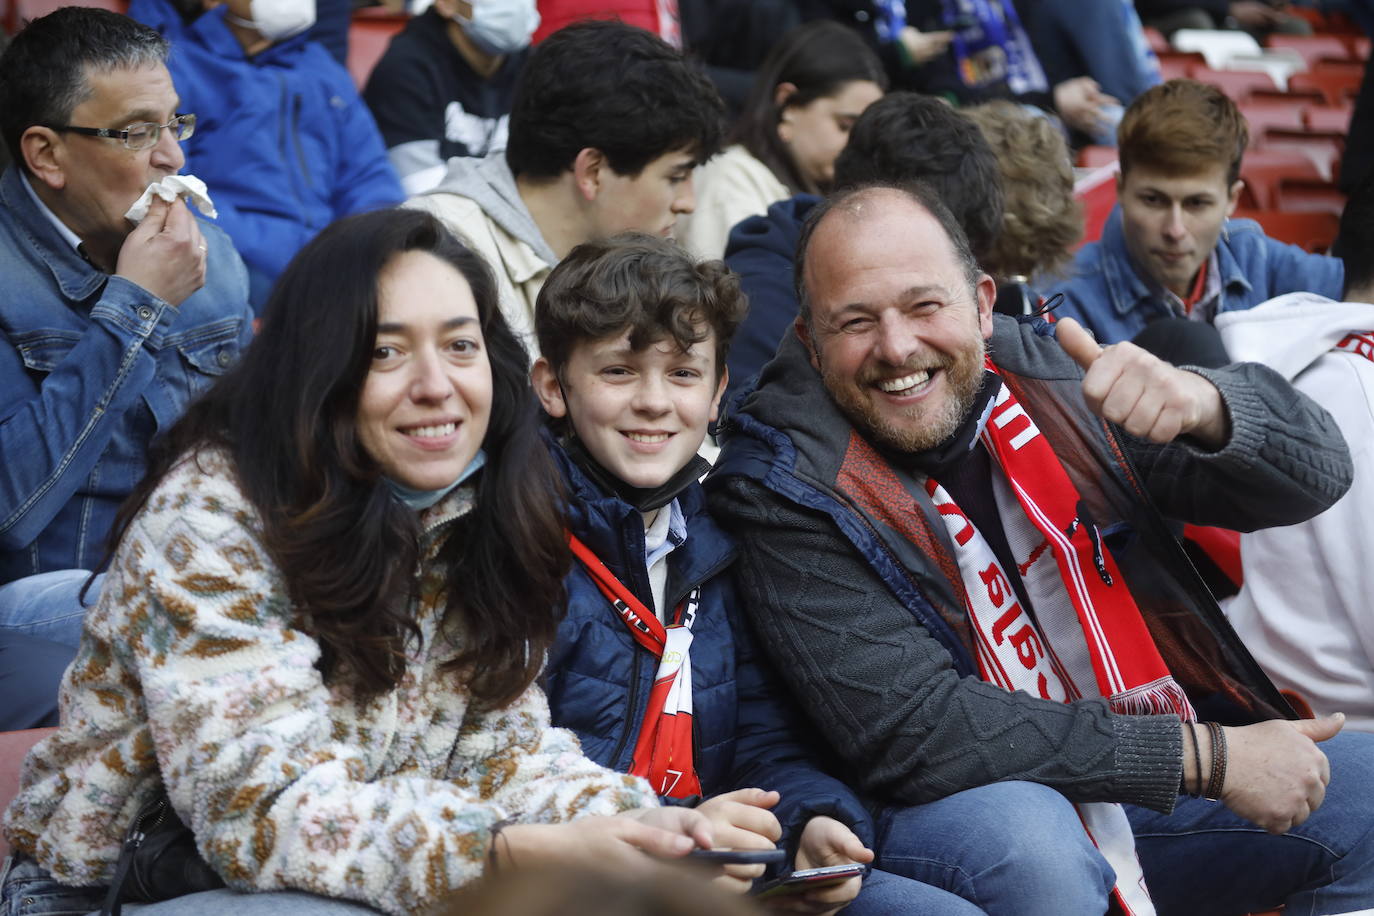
[1142,393]
[1080,102]
[741,820]
[165,254]
[631,842]
[824,841]
[923,47]
[1254,14]
[1276,776]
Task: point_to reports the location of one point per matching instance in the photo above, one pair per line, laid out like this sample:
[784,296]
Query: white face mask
[278,20]
[500,26]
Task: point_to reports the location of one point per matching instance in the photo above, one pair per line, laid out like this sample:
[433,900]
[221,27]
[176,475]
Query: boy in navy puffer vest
[653,666]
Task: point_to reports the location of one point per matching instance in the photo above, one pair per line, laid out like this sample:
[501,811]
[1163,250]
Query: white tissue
[169,189]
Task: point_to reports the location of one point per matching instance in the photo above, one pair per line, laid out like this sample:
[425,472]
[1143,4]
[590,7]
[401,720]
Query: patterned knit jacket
[191,673]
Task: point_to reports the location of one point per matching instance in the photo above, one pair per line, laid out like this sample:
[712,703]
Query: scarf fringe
[1160,697]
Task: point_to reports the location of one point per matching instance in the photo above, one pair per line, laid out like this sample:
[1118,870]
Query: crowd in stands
[624,457]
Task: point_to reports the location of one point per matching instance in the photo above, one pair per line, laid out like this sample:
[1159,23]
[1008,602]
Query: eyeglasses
[142,135]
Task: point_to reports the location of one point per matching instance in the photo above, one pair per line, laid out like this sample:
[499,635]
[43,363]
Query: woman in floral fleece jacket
[323,619]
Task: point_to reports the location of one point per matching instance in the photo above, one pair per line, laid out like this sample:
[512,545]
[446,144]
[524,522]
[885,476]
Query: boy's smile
[642,414]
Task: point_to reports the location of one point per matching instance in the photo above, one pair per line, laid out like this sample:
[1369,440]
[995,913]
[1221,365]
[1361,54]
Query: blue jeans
[1014,848]
[30,674]
[48,605]
[1203,859]
[884,894]
[28,890]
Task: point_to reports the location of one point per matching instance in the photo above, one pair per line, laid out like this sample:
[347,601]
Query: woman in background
[809,91]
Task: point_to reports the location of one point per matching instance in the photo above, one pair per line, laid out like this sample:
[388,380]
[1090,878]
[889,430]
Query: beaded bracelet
[1217,780]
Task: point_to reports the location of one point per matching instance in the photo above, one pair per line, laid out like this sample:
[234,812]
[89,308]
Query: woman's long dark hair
[287,415]
[819,58]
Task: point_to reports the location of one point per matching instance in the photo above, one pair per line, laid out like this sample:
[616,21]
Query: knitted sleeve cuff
[1149,761]
[1273,424]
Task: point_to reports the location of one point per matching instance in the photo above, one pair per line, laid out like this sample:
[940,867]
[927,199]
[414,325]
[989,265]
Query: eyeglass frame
[110,133]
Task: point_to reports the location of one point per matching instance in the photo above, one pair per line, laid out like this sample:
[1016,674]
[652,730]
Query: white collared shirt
[72,238]
[668,531]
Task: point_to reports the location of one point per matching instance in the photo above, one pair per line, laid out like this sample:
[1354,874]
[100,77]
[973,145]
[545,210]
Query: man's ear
[548,389]
[804,335]
[589,171]
[720,392]
[1234,199]
[43,154]
[986,293]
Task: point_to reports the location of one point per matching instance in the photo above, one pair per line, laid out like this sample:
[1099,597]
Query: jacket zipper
[284,129]
[296,140]
[630,725]
[137,835]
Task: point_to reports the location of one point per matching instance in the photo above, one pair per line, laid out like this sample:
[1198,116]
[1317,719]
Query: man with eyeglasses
[106,330]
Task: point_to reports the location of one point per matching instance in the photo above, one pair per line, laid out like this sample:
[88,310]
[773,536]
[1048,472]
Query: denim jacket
[1107,296]
[92,367]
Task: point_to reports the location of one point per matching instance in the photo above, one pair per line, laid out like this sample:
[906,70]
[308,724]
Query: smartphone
[799,882]
[738,856]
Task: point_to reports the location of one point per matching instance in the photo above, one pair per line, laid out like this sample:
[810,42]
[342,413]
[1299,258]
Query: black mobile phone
[809,879]
[738,856]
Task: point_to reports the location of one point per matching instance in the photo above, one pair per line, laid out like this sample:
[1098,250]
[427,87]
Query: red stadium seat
[1096,191]
[14,746]
[1262,177]
[1296,159]
[1268,113]
[1094,157]
[1312,231]
[1238,84]
[16,13]
[1313,48]
[369,34]
[1158,43]
[1324,149]
[1337,86]
[1323,119]
[1297,195]
[1180,64]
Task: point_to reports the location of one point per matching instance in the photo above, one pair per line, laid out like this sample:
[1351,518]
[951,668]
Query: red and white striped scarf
[663,752]
[1087,637]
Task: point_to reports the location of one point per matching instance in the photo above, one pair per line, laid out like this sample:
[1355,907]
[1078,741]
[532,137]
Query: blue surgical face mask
[419,500]
[500,26]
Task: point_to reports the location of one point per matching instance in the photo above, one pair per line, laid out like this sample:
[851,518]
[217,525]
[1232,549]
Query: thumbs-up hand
[1142,393]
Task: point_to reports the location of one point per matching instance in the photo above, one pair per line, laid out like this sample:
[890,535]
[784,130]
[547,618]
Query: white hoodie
[1305,611]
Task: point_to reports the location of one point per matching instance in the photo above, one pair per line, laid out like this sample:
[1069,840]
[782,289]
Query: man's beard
[934,422]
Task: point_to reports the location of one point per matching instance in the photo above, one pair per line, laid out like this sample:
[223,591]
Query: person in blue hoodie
[653,666]
[283,141]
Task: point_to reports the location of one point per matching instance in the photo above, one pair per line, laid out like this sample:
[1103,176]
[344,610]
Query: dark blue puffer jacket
[598,678]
